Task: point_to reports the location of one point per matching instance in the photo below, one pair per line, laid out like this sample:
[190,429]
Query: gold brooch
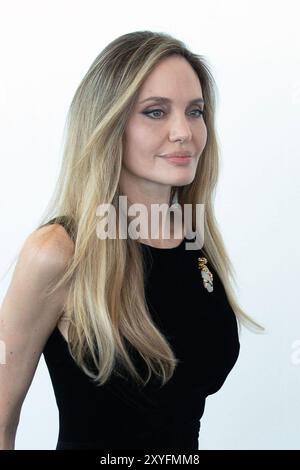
[206,274]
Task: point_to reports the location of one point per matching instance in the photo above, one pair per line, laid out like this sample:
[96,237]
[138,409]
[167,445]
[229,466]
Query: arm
[27,318]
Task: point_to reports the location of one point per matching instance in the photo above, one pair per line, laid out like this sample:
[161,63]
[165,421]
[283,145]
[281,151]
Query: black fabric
[202,330]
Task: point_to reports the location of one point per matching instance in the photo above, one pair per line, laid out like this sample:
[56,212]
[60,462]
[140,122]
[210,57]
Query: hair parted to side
[106,300]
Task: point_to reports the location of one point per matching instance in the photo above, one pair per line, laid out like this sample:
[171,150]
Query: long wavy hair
[106,299]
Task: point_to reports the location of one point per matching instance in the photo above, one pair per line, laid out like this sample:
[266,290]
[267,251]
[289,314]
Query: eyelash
[155,110]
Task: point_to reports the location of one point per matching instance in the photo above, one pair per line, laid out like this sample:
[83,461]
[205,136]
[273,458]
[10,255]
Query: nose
[180,129]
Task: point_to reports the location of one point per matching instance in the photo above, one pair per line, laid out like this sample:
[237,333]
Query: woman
[136,331]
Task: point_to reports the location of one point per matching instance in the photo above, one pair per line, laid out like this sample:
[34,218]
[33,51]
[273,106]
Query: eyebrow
[163,99]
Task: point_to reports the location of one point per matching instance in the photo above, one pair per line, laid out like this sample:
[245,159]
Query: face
[163,127]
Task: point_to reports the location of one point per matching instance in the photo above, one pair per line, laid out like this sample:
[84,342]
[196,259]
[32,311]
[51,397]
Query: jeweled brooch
[206,274]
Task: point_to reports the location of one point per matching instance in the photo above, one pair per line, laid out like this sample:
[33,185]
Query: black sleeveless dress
[202,330]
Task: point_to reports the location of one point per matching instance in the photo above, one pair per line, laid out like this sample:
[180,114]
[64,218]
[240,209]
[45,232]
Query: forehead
[171,75]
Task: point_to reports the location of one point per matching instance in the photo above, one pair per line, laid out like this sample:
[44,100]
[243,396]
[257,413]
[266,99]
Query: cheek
[137,151]
[142,141]
[144,138]
[202,137]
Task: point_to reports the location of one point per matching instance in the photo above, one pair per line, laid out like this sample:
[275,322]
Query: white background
[253,48]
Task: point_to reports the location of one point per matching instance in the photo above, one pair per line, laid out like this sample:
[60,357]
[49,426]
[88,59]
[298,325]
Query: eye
[148,113]
[199,111]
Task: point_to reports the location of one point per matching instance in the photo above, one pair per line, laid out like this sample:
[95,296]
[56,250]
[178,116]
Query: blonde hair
[106,301]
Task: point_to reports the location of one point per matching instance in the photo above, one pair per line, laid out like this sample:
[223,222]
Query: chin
[183,181]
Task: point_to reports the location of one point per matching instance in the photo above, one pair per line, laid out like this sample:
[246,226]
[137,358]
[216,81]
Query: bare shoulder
[42,260]
[49,249]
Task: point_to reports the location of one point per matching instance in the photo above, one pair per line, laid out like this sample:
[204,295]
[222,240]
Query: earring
[206,274]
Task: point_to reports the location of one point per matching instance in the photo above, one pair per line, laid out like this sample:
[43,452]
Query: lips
[180,154]
[181,160]
[180,157]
